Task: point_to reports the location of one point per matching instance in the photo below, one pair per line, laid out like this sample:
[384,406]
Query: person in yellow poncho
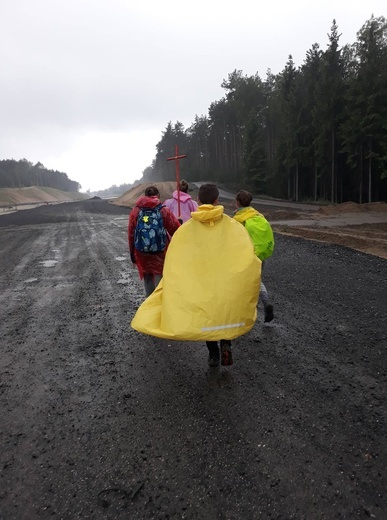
[262,236]
[210,285]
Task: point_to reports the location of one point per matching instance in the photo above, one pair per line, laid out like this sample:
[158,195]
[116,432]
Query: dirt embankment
[13,198]
[128,199]
[353,207]
[348,224]
[367,238]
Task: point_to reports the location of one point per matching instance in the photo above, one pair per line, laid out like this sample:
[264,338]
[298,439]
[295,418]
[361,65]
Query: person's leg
[263,295]
[269,313]
[268,307]
[157,279]
[213,353]
[264,298]
[225,348]
[149,284]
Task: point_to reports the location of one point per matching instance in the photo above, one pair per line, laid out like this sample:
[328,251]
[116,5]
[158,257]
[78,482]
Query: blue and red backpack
[150,235]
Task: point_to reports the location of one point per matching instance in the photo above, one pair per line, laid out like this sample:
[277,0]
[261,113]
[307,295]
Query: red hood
[147,202]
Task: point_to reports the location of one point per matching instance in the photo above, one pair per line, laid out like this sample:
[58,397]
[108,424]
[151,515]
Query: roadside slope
[35,195]
[128,199]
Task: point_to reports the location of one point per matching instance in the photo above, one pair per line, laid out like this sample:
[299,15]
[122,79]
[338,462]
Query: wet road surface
[98,421]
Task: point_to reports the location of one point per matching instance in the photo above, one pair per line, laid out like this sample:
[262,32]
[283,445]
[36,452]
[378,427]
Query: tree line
[23,173]
[316,132]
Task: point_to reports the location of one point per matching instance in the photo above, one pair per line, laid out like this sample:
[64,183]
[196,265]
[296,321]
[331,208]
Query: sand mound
[353,207]
[35,194]
[345,207]
[380,207]
[128,199]
[281,214]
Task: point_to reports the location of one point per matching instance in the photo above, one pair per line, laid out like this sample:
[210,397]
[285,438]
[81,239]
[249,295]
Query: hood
[147,202]
[208,214]
[183,196]
[242,214]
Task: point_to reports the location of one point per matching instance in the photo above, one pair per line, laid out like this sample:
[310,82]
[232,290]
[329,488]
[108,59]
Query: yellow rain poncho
[210,284]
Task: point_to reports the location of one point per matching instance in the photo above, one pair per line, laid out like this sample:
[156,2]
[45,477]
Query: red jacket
[150,262]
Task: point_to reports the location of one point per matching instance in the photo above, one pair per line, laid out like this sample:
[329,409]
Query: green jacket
[259,230]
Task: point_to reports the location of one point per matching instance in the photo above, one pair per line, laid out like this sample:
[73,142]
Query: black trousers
[213,345]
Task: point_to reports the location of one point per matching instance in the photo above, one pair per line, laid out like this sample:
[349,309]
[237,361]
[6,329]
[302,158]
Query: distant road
[267,202]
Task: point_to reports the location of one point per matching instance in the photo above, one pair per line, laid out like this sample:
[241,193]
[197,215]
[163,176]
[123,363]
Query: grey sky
[87,86]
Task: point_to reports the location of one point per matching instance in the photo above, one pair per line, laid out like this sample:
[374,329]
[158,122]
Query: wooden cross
[176,158]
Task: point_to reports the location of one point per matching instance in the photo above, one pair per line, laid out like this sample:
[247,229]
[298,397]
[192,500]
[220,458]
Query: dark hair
[208,193]
[244,198]
[152,191]
[184,186]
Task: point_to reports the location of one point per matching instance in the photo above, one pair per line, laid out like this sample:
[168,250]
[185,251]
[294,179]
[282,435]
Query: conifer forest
[316,132]
[23,173]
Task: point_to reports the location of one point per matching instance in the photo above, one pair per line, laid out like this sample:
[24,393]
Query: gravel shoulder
[101,422]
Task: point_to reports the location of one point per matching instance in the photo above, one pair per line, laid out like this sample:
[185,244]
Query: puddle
[31,280]
[63,285]
[49,263]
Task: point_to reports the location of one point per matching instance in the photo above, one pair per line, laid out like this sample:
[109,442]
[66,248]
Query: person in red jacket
[150,265]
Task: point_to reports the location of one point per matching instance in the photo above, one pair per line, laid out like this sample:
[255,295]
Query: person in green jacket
[262,236]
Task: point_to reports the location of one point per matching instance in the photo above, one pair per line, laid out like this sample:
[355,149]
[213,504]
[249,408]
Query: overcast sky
[88,86]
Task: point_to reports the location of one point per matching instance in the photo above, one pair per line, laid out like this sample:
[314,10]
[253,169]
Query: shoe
[213,353]
[269,313]
[225,348]
[213,361]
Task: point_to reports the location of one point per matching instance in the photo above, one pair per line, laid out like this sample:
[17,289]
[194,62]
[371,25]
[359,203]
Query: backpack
[262,236]
[150,235]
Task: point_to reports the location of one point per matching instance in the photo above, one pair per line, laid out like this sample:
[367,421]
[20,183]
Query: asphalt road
[100,422]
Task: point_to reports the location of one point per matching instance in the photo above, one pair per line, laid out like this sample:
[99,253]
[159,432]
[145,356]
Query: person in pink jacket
[187,205]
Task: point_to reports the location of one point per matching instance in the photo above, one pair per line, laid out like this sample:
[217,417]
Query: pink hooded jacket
[187,205]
